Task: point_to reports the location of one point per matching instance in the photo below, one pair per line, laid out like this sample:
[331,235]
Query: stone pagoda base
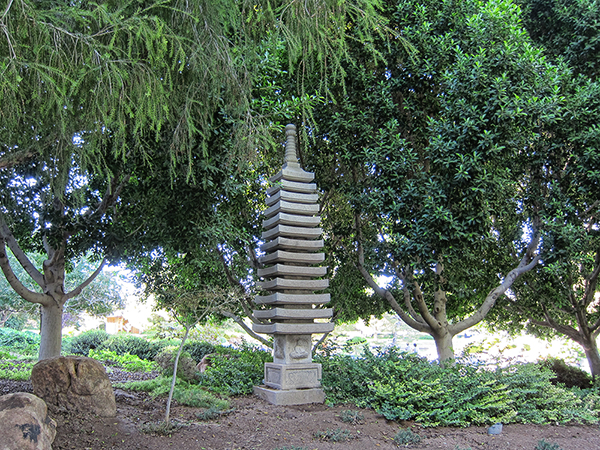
[291,396]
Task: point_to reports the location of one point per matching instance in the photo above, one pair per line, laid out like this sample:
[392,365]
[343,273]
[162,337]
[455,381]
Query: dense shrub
[235,372]
[197,349]
[186,367]
[568,375]
[405,386]
[23,342]
[134,345]
[89,340]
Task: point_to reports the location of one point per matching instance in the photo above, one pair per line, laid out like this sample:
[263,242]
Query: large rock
[24,423]
[75,383]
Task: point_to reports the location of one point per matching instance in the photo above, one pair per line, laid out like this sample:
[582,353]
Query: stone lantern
[292,276]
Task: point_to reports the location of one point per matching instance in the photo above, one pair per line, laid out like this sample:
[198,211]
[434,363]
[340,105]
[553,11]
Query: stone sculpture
[292,242]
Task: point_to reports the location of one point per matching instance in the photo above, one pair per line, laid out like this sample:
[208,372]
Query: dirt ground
[258,425]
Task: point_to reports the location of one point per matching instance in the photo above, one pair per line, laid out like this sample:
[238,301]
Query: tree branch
[383,293]
[592,282]
[237,319]
[527,263]
[75,292]
[15,283]
[253,258]
[6,234]
[407,296]
[431,321]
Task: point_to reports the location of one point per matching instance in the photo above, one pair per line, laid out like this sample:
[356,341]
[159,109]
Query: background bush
[127,362]
[198,350]
[568,375]
[235,372]
[134,345]
[22,342]
[186,367]
[89,340]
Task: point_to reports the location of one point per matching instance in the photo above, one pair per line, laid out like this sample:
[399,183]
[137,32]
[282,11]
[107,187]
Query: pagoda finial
[291,157]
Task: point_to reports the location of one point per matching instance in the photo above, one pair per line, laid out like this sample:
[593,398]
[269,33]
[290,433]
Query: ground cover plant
[404,386]
[398,385]
[19,370]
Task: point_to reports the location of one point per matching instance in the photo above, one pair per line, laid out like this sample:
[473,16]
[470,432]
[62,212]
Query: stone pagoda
[290,269]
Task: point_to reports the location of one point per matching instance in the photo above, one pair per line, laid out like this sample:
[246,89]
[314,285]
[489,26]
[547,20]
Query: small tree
[189,308]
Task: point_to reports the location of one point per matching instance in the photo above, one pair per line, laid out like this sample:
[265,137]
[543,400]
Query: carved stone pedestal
[290,397]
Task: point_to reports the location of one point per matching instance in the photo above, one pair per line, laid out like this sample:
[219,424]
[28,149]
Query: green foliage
[406,438]
[544,445]
[185,393]
[16,370]
[337,435]
[127,362]
[186,367]
[123,343]
[423,161]
[197,397]
[407,387]
[352,417]
[22,342]
[198,350]
[16,322]
[567,29]
[565,374]
[4,354]
[86,341]
[235,372]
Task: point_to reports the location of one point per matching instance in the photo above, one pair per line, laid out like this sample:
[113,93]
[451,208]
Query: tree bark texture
[590,347]
[51,330]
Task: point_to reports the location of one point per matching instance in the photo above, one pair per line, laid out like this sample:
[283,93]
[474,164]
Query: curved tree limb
[6,234]
[407,297]
[15,283]
[75,292]
[237,319]
[431,321]
[528,262]
[592,283]
[384,293]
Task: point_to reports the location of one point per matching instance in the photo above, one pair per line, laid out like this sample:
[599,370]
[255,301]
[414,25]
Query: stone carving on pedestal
[292,276]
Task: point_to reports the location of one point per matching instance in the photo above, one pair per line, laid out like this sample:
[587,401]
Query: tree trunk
[174,380]
[590,347]
[443,344]
[50,331]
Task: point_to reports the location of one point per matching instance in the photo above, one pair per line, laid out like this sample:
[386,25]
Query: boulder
[24,423]
[75,383]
